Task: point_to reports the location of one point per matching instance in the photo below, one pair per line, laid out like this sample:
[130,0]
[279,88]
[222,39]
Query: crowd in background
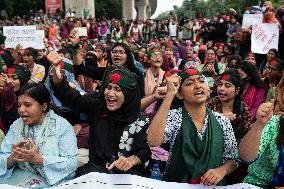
[133,91]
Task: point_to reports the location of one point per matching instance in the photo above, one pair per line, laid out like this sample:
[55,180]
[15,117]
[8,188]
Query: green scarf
[191,157]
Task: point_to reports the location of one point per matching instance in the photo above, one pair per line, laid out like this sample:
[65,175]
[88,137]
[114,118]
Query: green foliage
[209,8]
[22,7]
[108,8]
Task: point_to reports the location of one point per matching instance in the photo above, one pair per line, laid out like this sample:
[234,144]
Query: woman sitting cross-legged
[117,140]
[202,141]
[40,149]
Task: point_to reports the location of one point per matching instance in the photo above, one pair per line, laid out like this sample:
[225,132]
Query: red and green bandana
[169,46]
[66,66]
[172,72]
[153,50]
[20,72]
[121,77]
[187,73]
[101,47]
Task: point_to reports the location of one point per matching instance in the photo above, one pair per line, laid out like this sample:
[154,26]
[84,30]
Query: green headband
[121,77]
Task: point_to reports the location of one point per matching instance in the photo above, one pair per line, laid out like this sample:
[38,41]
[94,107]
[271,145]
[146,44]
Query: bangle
[138,160]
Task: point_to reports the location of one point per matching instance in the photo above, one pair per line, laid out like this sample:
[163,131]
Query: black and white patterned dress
[173,126]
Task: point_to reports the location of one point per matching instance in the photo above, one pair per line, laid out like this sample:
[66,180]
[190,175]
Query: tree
[108,8]
[202,8]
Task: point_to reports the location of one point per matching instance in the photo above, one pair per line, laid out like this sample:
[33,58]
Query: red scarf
[248,97]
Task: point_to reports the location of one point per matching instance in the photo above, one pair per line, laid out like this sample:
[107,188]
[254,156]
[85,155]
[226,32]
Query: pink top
[254,97]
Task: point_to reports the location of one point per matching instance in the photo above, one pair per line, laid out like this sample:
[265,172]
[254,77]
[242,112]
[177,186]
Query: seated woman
[40,147]
[229,103]
[254,93]
[273,76]
[202,141]
[263,148]
[117,140]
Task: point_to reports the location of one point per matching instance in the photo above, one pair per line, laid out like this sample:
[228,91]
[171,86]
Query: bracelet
[138,160]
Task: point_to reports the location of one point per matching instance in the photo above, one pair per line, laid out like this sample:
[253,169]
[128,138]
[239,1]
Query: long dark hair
[237,82]
[129,64]
[252,72]
[275,52]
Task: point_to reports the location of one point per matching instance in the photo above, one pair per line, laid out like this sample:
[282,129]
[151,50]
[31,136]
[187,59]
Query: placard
[82,31]
[251,19]
[264,37]
[23,35]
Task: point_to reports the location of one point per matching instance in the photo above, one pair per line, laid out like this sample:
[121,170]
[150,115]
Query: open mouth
[24,117]
[111,101]
[199,94]
[117,59]
[221,95]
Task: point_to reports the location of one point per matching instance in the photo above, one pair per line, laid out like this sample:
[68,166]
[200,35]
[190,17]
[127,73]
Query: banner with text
[264,37]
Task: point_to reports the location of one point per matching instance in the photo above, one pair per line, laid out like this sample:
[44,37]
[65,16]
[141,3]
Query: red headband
[226,77]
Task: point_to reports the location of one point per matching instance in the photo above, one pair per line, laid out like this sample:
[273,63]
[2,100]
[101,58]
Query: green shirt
[270,94]
[261,171]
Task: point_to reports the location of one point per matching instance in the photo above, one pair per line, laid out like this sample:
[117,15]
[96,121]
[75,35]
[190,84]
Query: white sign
[23,35]
[82,31]
[264,37]
[251,19]
[126,181]
[39,39]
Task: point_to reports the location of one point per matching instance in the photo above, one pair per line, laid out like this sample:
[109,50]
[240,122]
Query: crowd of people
[186,94]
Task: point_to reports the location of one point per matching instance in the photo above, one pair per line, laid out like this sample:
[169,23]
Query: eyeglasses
[121,52]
